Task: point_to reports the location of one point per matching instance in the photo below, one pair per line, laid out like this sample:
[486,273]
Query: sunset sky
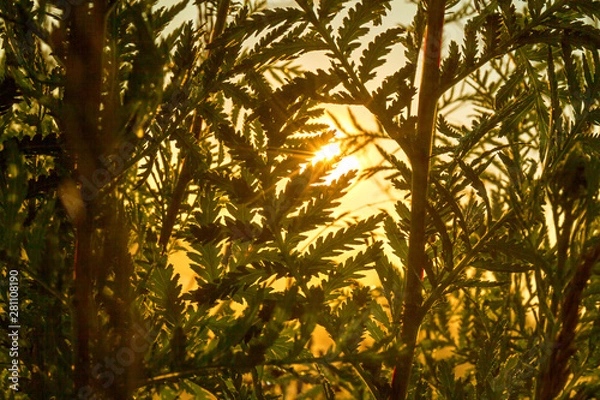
[366,196]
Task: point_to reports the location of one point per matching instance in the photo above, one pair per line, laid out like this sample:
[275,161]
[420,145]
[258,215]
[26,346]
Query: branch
[555,370]
[183,180]
[419,157]
[186,173]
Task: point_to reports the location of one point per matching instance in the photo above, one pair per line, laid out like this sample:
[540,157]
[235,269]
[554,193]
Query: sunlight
[343,165]
[327,152]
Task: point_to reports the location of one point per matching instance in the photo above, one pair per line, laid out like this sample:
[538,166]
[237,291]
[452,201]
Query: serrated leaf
[166,293]
[470,46]
[340,241]
[491,32]
[284,43]
[503,267]
[444,127]
[328,9]
[451,63]
[476,182]
[350,268]
[354,25]
[375,331]
[589,7]
[163,15]
[207,261]
[396,91]
[317,211]
[372,56]
[508,89]
[397,240]
[263,20]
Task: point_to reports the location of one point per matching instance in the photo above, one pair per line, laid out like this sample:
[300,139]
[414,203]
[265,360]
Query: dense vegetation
[125,140]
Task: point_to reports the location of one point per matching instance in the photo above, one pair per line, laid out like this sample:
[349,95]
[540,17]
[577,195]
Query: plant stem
[420,160]
[184,178]
[80,119]
[555,369]
[186,174]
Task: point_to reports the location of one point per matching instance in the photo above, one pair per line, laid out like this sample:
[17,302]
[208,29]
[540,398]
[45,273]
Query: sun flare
[328,152]
[343,165]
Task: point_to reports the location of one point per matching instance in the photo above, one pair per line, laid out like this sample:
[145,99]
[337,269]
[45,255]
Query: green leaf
[509,88]
[396,91]
[373,56]
[470,46]
[491,33]
[350,269]
[261,21]
[444,127]
[336,243]
[450,64]
[328,9]
[396,239]
[166,294]
[207,261]
[479,186]
[164,16]
[354,24]
[317,210]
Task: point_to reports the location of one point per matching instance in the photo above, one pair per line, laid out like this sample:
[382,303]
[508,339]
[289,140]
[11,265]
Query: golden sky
[367,196]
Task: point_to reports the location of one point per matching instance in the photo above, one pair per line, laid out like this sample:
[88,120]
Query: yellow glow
[327,152]
[333,152]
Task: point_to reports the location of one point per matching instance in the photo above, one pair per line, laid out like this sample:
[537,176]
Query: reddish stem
[420,160]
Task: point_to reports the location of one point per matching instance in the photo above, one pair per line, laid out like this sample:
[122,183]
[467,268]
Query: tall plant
[124,143]
[127,140]
[499,245]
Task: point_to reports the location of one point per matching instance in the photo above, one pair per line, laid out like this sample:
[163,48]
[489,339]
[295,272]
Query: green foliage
[205,156]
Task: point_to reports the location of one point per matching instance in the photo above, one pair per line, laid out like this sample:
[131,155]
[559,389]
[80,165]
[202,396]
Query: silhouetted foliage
[128,142]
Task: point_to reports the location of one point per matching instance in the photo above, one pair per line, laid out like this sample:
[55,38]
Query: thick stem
[555,369]
[81,127]
[82,303]
[420,159]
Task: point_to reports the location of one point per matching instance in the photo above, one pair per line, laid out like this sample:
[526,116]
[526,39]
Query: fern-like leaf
[470,47]
[335,243]
[373,56]
[166,294]
[317,211]
[354,26]
[350,269]
[451,63]
[328,9]
[163,15]
[491,32]
[396,91]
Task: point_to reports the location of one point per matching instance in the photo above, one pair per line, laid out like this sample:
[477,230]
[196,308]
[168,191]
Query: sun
[342,164]
[327,152]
